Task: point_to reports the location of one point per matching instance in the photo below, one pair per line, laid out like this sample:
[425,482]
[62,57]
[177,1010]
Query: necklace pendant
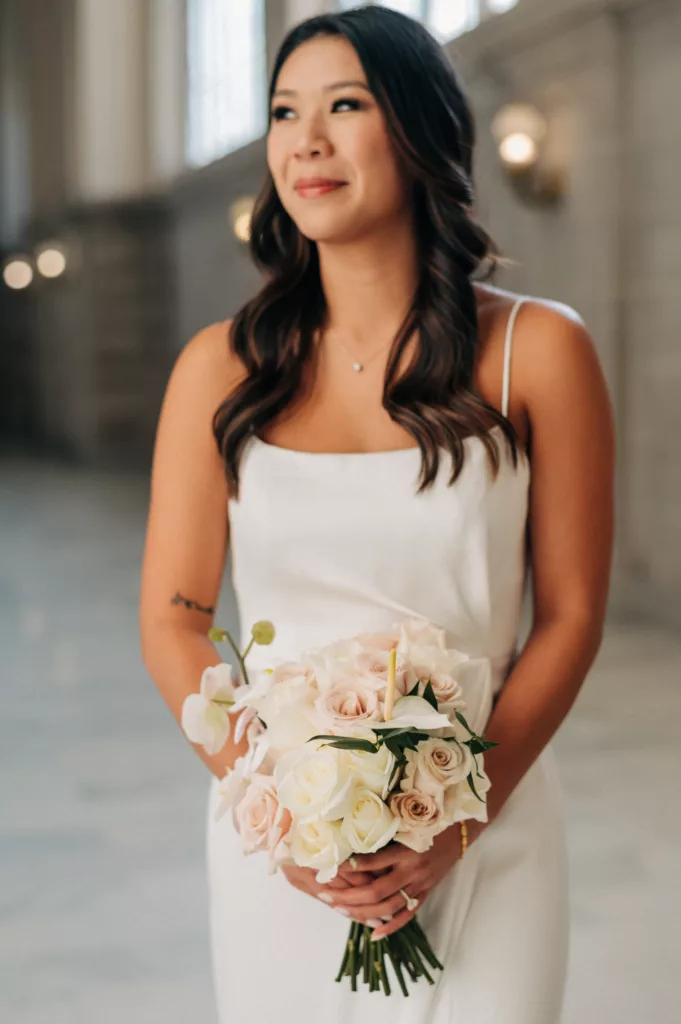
[357,367]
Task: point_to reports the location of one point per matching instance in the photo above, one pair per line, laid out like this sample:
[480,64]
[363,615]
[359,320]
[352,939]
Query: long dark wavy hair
[273,334]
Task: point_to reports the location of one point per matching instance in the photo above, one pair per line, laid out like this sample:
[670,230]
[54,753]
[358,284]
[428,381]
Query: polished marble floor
[102,889]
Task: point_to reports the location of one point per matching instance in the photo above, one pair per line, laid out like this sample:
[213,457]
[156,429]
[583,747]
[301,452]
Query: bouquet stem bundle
[406,950]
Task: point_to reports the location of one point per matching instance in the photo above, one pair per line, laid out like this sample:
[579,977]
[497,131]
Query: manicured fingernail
[324,896]
[343,911]
[388,917]
[374,937]
[374,922]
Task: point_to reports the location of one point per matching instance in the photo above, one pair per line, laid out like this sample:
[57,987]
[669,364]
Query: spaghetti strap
[507,354]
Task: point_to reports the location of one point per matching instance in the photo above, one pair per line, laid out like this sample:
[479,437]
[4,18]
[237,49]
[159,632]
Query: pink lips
[309,188]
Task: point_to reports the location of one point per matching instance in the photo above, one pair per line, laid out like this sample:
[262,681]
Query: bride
[381,433]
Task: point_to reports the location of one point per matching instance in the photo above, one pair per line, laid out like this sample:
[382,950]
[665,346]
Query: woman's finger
[386,909]
[376,892]
[398,921]
[388,857]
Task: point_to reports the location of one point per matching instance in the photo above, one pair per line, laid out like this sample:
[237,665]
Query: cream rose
[369,824]
[421,818]
[350,700]
[314,784]
[319,845]
[436,764]
[372,642]
[372,771]
[373,666]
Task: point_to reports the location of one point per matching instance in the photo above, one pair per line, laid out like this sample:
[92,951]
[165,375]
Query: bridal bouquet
[353,746]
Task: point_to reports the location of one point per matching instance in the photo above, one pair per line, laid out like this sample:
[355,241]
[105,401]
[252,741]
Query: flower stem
[366,955]
[414,953]
[383,974]
[346,957]
[421,942]
[240,658]
[397,966]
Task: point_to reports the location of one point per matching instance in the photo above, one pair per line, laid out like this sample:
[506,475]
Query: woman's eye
[353,104]
[278,113]
[281,113]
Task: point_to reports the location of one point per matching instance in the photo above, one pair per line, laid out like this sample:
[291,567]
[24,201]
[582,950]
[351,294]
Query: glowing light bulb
[51,261]
[17,273]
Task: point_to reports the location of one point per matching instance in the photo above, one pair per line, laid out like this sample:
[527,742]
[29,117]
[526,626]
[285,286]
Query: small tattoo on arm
[179,599]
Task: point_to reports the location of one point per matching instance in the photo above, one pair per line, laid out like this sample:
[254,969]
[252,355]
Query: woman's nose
[312,142]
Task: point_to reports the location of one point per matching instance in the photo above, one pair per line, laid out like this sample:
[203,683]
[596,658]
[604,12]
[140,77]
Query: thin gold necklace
[356,364]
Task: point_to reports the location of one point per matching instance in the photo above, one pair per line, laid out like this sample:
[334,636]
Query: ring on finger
[410,903]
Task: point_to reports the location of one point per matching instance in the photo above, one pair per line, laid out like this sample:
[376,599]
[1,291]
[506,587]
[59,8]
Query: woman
[390,439]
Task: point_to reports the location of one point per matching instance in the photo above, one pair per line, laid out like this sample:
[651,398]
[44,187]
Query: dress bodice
[327,545]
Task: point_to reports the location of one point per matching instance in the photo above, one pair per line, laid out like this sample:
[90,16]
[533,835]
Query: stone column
[111,70]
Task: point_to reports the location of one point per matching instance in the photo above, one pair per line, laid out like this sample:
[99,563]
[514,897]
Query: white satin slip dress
[326,545]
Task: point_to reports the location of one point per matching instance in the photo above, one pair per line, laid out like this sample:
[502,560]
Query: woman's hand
[305,880]
[402,868]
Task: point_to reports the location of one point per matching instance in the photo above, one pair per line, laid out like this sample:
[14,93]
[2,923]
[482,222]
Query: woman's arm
[187,531]
[571,524]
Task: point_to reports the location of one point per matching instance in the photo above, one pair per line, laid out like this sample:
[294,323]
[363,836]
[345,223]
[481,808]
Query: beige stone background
[102,895]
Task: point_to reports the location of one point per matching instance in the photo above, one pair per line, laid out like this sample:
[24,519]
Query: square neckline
[380,452]
[524,456]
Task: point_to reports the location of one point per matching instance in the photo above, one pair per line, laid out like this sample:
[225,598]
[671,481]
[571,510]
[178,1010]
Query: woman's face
[326,124]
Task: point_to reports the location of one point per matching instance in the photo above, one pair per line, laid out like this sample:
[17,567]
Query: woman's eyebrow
[327,88]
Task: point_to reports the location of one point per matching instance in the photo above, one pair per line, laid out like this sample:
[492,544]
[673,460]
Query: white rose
[326,663]
[369,824]
[460,802]
[320,845]
[314,784]
[372,770]
[205,715]
[435,765]
[284,700]
[421,633]
[372,642]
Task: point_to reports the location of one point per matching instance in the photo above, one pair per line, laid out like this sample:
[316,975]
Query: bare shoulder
[558,377]
[554,351]
[208,357]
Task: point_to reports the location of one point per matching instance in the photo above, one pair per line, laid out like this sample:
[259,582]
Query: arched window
[226,77]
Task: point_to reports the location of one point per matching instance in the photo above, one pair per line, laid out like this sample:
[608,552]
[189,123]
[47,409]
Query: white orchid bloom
[414,713]
[205,715]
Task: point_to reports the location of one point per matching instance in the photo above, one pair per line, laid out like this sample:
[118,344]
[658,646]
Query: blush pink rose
[260,820]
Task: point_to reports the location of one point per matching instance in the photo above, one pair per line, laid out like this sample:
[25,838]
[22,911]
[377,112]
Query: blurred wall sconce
[521,131]
[17,271]
[240,214]
[51,259]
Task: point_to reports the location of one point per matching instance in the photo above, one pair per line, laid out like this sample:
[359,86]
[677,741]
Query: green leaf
[347,743]
[389,733]
[464,722]
[472,785]
[414,690]
[478,746]
[394,747]
[429,695]
[395,772]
